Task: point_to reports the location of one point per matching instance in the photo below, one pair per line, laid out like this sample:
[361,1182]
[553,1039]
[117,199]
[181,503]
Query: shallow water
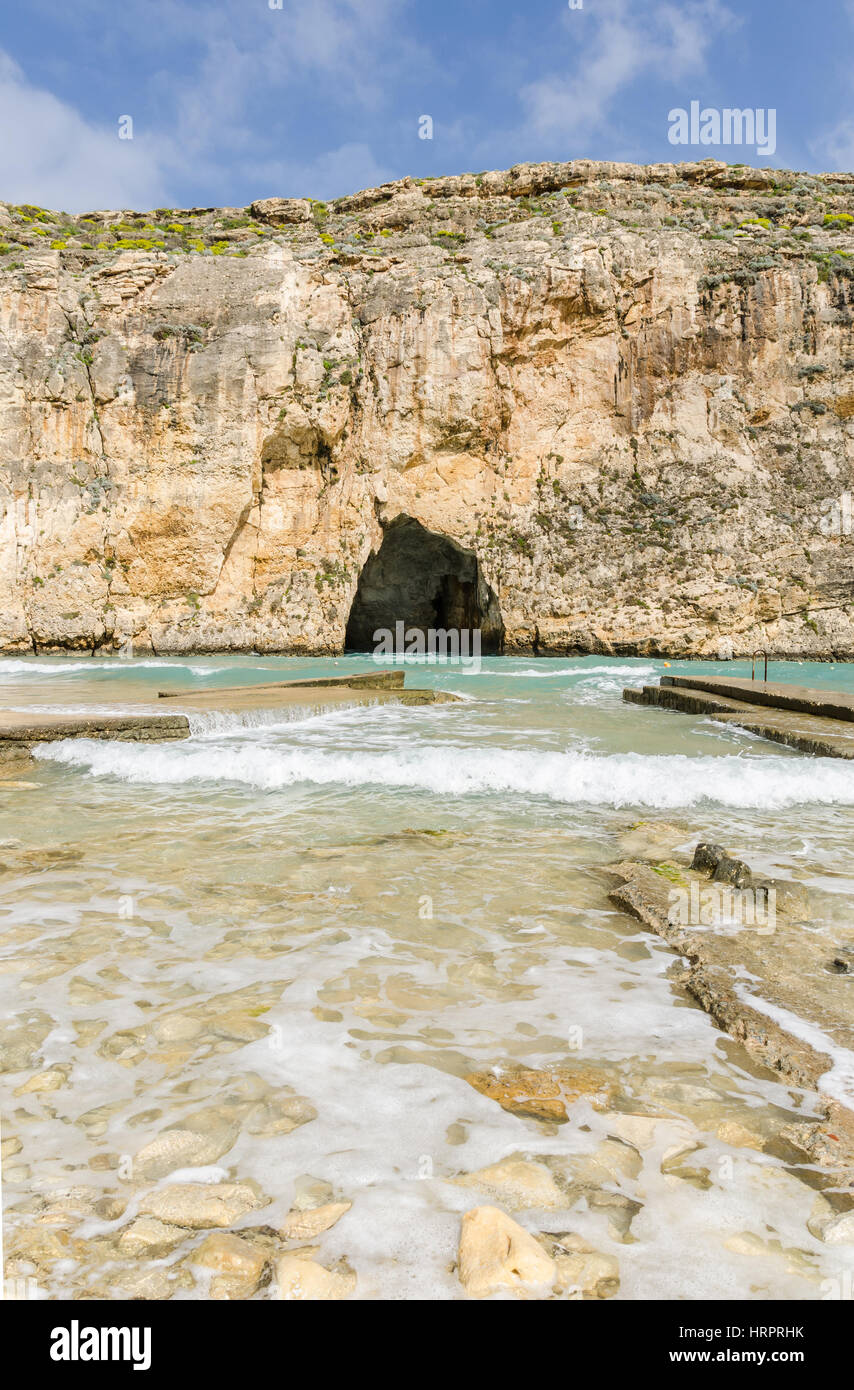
[360,907]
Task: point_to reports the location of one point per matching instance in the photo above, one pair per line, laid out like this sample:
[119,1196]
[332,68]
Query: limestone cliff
[618,400]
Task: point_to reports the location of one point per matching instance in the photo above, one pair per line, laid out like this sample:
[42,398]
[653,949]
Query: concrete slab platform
[828,704]
[21,729]
[360,680]
[795,721]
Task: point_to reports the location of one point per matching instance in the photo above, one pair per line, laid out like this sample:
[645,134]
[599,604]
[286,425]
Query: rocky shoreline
[179,1218]
[797,987]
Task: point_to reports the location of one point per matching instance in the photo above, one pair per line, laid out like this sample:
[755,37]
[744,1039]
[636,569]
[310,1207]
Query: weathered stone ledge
[20,731]
[812,721]
[367,680]
[787,964]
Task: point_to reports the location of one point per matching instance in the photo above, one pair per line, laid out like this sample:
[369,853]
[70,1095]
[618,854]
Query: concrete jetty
[365,687]
[21,730]
[814,721]
[360,680]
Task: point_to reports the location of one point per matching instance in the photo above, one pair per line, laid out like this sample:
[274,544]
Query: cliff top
[710,199]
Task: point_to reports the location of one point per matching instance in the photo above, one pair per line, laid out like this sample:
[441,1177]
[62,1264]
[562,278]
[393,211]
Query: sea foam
[660,781]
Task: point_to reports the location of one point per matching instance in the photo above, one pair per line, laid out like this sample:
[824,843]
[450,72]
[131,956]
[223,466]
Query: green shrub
[138,244]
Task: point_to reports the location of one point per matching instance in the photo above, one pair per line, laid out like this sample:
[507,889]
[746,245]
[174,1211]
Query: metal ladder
[759,652]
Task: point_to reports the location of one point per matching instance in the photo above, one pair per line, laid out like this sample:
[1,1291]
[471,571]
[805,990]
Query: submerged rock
[280,1113]
[40,1246]
[50,1080]
[239,1267]
[543,1095]
[497,1255]
[645,1131]
[827,1223]
[310,1193]
[583,1272]
[149,1236]
[610,1161]
[21,1036]
[298,1278]
[619,1209]
[183,1148]
[154,1282]
[737,1135]
[196,1205]
[305,1225]
[790,897]
[518,1183]
[651,839]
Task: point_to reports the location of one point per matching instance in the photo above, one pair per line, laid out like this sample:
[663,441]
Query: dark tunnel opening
[426,581]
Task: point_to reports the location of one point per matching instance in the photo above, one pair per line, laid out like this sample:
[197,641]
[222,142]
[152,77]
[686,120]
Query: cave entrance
[427,582]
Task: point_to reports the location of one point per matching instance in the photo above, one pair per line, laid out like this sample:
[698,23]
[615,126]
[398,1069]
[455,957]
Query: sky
[231,100]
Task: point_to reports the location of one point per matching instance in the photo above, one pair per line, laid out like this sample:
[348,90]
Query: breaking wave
[659,781]
[547,672]
[14,667]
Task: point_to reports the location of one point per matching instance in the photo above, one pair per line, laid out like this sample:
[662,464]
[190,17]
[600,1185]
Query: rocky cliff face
[621,397]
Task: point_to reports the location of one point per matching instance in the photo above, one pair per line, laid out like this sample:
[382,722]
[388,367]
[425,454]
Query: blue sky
[237,99]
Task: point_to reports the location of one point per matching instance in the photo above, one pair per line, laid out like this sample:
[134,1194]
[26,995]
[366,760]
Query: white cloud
[627,42]
[51,156]
[332,174]
[833,149]
[208,131]
[836,147]
[342,52]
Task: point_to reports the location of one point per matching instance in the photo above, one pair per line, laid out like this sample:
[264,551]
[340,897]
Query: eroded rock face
[626,394]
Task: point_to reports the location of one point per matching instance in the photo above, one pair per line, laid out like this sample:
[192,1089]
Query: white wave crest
[660,781]
[14,667]
[545,672]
